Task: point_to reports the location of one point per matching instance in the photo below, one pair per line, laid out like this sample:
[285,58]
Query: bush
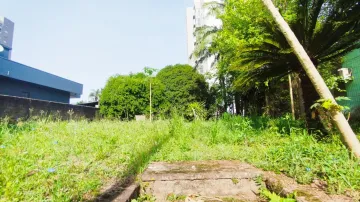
[179,87]
[183,86]
[126,96]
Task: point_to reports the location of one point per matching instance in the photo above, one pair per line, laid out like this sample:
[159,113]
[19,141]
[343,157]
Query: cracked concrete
[202,181]
[222,181]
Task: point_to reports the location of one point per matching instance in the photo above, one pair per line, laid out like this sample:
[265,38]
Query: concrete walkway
[221,181]
[202,181]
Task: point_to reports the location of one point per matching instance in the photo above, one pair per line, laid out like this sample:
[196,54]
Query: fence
[22,108]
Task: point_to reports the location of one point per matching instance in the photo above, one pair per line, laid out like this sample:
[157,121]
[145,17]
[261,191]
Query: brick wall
[16,107]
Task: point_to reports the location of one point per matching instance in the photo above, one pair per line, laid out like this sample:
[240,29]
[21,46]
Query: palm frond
[215,8]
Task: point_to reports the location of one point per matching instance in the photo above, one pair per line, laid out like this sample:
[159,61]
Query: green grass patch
[71,161]
[273,145]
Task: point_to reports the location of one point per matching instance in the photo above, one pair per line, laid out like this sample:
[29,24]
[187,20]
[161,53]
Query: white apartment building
[199,16]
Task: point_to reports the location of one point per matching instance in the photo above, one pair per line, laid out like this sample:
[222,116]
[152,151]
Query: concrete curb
[129,193]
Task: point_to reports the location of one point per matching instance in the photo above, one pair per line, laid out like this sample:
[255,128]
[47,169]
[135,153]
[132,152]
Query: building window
[26,94]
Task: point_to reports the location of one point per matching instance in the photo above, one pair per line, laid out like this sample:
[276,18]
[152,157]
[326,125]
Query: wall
[18,88]
[16,107]
[352,61]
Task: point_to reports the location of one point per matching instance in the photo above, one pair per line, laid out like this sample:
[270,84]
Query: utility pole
[150,102]
[149,71]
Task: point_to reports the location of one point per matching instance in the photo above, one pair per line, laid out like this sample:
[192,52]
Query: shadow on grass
[137,163]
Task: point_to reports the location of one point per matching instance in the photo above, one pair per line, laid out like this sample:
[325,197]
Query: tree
[239,26]
[326,29]
[205,36]
[348,136]
[183,86]
[95,95]
[209,47]
[126,96]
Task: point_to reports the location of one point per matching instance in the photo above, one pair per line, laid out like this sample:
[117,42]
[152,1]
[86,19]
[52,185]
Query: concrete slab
[220,188]
[196,170]
[202,180]
[222,181]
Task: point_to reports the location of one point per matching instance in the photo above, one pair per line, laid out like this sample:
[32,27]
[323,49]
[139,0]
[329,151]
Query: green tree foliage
[326,29]
[251,51]
[178,87]
[183,86]
[240,26]
[126,96]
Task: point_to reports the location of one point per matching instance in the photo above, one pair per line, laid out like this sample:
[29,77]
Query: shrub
[126,96]
[183,86]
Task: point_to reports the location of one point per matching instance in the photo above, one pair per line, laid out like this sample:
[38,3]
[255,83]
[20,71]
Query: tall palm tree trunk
[291,98]
[224,93]
[311,95]
[313,122]
[267,102]
[299,96]
[348,136]
[238,103]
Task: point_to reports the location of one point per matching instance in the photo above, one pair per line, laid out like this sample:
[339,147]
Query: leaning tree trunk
[348,136]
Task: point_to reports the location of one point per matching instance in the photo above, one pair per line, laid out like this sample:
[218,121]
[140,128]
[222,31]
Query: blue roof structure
[14,70]
[23,73]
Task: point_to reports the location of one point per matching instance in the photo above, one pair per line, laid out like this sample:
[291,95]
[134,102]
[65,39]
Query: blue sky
[88,41]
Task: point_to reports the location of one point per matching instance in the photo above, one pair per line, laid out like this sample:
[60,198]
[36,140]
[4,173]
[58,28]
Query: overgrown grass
[64,161]
[71,161]
[275,145]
